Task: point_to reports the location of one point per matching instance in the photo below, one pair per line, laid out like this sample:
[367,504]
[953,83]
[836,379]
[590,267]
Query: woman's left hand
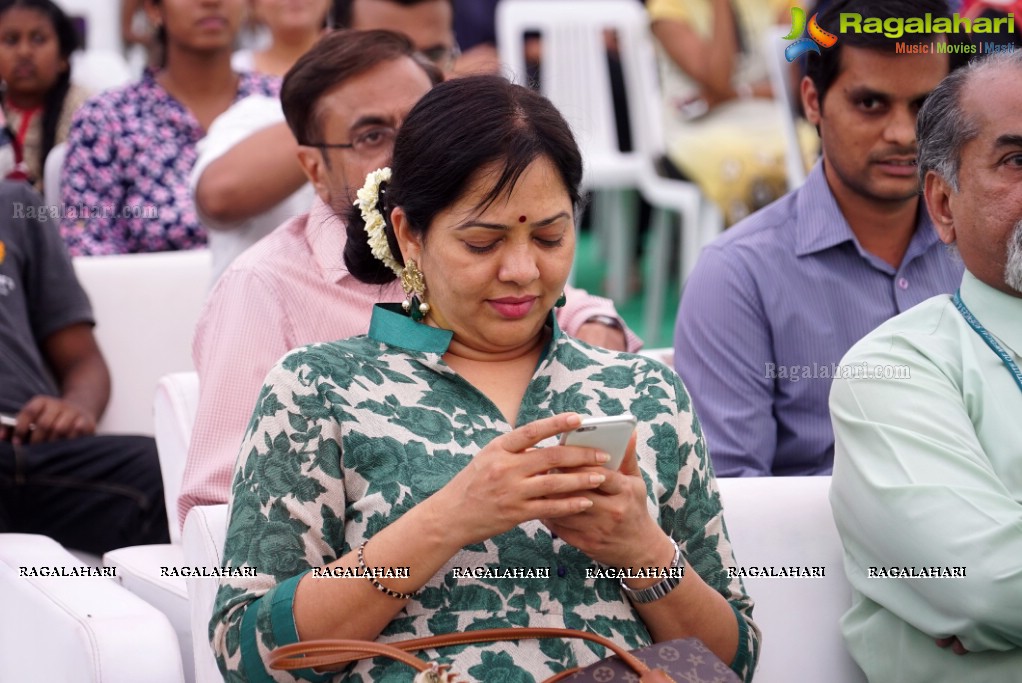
[617,530]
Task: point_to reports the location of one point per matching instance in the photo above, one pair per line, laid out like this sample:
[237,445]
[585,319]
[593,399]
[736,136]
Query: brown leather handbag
[677,661]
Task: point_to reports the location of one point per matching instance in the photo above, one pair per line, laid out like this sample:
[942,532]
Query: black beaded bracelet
[376,583]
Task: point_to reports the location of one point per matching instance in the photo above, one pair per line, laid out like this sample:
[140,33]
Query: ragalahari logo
[817,36]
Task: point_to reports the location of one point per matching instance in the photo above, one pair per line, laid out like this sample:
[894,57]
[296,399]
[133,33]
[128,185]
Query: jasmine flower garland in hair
[368,203]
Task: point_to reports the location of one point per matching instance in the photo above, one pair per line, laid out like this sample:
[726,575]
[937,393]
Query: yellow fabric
[735,152]
[699,13]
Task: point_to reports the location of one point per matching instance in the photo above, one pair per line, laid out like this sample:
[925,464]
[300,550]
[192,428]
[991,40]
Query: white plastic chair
[174,408]
[204,536]
[146,307]
[576,79]
[51,174]
[773,53]
[139,567]
[787,522]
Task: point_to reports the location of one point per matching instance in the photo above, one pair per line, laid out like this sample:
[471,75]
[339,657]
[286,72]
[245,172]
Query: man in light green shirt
[927,483]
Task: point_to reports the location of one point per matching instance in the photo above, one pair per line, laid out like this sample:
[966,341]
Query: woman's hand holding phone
[617,530]
[510,481]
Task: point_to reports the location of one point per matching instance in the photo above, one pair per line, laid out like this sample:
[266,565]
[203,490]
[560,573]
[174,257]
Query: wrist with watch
[662,587]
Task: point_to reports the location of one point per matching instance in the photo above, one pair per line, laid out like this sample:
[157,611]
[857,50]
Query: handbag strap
[332,653]
[313,654]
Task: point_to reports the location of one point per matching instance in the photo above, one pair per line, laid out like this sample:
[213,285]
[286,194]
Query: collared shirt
[928,473]
[771,307]
[129,153]
[290,289]
[350,435]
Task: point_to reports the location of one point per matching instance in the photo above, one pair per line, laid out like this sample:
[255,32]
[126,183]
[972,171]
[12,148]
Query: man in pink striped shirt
[344,101]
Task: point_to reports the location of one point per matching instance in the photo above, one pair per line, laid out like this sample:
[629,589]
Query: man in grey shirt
[93,493]
[777,300]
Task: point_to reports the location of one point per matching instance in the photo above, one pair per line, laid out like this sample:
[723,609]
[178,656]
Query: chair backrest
[51,174]
[203,539]
[576,78]
[174,407]
[146,307]
[778,523]
[96,70]
[777,65]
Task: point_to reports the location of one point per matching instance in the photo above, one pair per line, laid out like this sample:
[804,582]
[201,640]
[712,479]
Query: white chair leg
[620,235]
[657,274]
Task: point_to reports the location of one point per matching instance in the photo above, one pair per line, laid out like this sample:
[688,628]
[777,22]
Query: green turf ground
[589,274]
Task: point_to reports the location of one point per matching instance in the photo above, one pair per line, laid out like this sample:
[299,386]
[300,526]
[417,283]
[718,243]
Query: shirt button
[902,283]
[562,570]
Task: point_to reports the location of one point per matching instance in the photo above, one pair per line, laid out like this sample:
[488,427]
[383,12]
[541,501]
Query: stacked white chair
[576,79]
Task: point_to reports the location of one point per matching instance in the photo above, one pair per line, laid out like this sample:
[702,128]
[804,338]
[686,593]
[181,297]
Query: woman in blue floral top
[124,185]
[409,482]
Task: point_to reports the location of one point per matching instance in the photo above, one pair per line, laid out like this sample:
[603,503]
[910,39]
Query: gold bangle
[376,583]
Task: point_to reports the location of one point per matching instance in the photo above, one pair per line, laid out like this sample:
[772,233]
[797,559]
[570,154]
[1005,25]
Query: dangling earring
[561,300]
[414,285]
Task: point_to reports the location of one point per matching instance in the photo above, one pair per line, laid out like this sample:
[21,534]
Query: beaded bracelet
[376,583]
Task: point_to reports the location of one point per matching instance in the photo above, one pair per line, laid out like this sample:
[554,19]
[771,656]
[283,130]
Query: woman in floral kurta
[369,442]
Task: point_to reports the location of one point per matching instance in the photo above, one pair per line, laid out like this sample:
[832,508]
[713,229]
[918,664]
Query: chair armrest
[81,628]
[203,540]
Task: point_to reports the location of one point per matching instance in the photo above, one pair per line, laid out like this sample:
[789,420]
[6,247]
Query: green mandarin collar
[391,325]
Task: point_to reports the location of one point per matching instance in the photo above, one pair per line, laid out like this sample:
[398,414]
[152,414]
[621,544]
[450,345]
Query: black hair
[824,67]
[341,12]
[67,42]
[458,128]
[335,58]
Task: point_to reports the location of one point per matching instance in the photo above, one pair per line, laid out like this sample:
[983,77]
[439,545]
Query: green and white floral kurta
[349,435]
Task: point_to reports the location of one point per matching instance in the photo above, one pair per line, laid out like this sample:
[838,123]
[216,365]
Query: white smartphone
[608,434]
[8,420]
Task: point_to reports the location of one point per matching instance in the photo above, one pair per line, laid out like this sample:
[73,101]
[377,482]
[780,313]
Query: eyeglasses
[443,57]
[367,142]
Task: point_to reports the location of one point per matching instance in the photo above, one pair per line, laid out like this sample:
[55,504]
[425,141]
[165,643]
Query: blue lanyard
[988,338]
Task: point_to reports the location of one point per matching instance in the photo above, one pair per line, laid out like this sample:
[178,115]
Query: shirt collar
[392,326]
[1000,313]
[327,234]
[821,225]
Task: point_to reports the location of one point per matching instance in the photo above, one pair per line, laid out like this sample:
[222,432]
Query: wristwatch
[662,587]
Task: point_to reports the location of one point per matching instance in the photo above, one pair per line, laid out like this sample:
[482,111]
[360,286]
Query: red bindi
[521,219]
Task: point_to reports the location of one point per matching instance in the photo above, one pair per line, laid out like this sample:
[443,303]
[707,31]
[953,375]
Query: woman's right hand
[510,481]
